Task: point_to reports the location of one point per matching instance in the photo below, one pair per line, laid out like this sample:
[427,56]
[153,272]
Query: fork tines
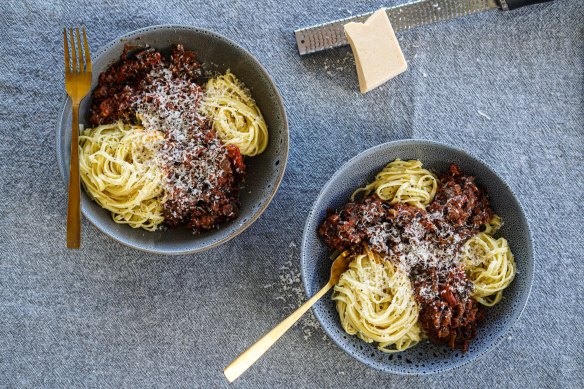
[78,64]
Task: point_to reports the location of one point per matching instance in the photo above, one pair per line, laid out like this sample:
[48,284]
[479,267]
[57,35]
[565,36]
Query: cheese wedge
[377,53]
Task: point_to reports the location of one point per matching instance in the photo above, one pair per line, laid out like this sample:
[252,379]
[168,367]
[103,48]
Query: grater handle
[513,4]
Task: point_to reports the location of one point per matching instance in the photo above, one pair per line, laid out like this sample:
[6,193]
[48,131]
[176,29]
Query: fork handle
[74,198]
[252,354]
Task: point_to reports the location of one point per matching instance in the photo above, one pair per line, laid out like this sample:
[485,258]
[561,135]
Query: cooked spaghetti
[493,225]
[199,167]
[118,170]
[235,117]
[377,304]
[405,182]
[410,226]
[489,264]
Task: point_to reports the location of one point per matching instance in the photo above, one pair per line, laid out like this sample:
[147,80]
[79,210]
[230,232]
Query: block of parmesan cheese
[377,53]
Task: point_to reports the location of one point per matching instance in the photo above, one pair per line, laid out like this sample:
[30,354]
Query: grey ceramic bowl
[425,357]
[264,171]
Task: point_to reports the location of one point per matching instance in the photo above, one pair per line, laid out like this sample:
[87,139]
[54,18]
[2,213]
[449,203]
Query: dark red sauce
[203,175]
[448,313]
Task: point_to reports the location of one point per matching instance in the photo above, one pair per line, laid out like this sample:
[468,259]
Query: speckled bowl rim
[283,159]
[529,257]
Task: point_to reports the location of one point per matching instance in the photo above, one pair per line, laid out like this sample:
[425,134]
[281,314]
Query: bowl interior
[425,357]
[264,172]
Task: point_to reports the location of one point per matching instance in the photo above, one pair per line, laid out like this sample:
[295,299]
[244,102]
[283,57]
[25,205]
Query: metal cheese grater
[403,17]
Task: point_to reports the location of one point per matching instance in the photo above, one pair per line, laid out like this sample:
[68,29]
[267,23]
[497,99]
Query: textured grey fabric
[508,87]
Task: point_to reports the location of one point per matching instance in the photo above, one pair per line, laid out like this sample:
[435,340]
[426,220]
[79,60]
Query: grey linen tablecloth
[508,87]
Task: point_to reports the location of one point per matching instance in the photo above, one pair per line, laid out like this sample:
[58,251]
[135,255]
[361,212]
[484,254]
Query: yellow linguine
[377,304]
[234,115]
[402,182]
[119,171]
[489,264]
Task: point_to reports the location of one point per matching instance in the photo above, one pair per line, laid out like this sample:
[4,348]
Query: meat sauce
[203,175]
[448,314]
[425,243]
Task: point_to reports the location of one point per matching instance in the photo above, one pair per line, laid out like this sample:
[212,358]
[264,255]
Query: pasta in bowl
[442,257]
[117,168]
[183,130]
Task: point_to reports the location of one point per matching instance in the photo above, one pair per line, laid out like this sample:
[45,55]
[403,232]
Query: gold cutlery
[77,84]
[252,354]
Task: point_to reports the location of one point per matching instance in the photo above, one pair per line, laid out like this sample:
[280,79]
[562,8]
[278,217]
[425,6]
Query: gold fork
[77,84]
[252,354]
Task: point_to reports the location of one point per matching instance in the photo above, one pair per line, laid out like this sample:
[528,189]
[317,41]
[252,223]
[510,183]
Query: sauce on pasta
[437,232]
[200,154]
